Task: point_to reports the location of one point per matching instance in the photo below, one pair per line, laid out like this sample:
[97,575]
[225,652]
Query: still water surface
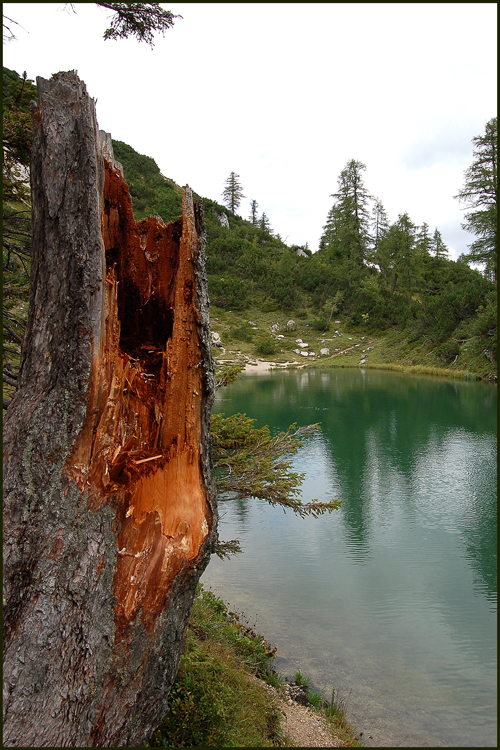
[390,600]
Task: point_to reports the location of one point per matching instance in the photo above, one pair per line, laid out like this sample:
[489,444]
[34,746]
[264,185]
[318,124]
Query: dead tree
[109,508]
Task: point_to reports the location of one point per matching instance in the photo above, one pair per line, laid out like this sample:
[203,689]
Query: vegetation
[215,701]
[249,462]
[233,192]
[141,20]
[480,197]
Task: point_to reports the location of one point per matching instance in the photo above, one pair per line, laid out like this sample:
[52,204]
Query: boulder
[223,220]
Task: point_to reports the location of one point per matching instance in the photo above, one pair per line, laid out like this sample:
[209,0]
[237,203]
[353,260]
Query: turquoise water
[390,600]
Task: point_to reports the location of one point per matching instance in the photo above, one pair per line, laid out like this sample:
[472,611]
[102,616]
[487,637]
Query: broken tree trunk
[109,515]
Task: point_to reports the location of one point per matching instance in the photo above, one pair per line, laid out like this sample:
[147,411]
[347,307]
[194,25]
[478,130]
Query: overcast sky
[285,94]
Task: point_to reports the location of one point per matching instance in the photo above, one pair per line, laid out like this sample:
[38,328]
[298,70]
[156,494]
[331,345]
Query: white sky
[285,94]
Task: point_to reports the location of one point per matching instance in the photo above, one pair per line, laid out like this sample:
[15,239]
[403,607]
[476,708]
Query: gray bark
[109,507]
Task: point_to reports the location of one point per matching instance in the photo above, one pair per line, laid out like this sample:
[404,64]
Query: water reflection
[390,440]
[394,595]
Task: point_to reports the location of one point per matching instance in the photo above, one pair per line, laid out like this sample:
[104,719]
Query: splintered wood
[140,447]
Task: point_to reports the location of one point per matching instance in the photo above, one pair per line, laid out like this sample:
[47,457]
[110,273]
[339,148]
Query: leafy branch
[250,462]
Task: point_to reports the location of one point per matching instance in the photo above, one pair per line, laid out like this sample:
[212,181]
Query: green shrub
[243,333]
[228,293]
[448,351]
[266,345]
[213,702]
[320,324]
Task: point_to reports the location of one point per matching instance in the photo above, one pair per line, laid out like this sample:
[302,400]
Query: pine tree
[233,192]
[379,226]
[346,232]
[253,213]
[265,224]
[424,240]
[437,246]
[480,197]
[398,255]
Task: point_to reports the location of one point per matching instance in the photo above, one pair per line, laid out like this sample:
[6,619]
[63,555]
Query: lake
[392,599]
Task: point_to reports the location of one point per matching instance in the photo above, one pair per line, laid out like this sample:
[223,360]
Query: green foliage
[346,233]
[249,462]
[241,333]
[266,346]
[301,680]
[227,293]
[253,212]
[321,324]
[479,195]
[227,374]
[141,20]
[213,701]
[233,192]
[448,351]
[152,193]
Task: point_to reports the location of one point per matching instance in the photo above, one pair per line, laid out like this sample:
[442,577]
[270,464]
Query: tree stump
[109,506]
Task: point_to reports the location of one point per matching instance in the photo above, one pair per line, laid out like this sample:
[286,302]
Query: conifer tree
[398,255]
[264,223]
[437,246]
[233,192]
[379,226]
[424,240]
[480,197]
[253,212]
[346,232]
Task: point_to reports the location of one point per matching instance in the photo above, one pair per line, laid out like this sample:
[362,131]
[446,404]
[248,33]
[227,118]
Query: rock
[324,352]
[275,327]
[223,220]
[304,354]
[216,339]
[303,345]
[298,341]
[291,325]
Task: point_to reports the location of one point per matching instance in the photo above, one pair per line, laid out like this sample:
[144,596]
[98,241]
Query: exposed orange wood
[145,392]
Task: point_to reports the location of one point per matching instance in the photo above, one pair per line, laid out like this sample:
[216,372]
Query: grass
[216,700]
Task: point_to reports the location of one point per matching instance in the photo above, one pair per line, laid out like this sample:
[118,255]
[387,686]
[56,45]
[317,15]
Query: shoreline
[260,366]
